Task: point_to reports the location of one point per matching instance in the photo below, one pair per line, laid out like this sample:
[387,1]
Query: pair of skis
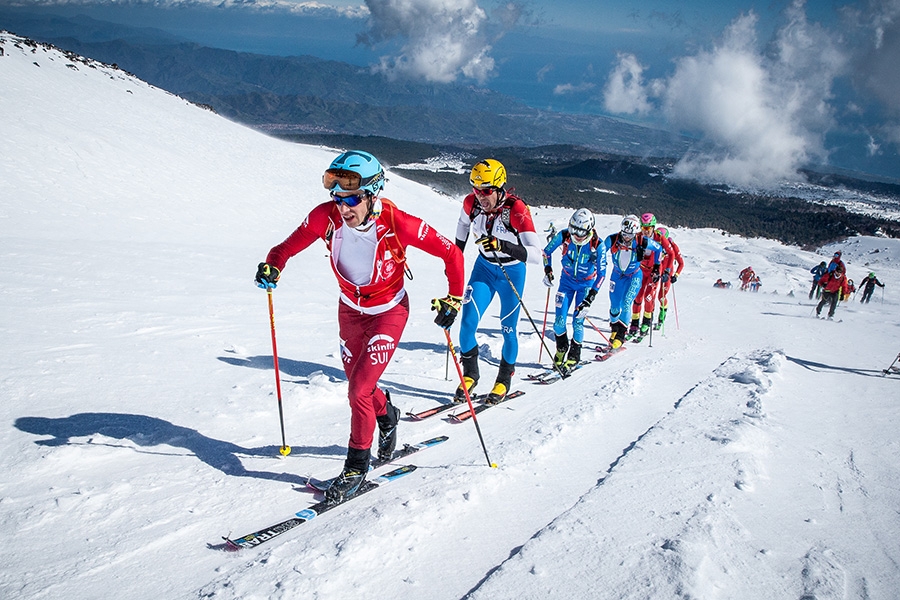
[463,415]
[307,514]
[553,375]
[549,376]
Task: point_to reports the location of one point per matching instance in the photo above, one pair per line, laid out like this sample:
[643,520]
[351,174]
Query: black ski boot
[387,430]
[562,346]
[618,335]
[501,386]
[633,329]
[354,474]
[469,362]
[574,355]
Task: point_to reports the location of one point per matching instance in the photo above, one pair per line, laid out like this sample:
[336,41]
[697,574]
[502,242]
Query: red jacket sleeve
[315,226]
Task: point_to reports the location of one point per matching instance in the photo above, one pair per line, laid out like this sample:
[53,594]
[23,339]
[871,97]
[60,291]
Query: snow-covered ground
[749,451]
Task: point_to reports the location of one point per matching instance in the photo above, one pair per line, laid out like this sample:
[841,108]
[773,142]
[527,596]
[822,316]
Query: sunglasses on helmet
[350,201]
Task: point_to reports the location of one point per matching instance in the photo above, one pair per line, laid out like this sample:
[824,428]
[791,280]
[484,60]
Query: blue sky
[766,86]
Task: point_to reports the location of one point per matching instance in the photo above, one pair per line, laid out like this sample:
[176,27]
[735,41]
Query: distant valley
[600,163]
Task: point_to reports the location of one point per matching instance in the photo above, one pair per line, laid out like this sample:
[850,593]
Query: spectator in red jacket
[834,285]
[746,276]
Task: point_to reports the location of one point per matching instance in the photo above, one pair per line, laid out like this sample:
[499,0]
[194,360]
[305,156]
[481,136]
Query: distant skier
[817,273]
[834,285]
[625,280]
[506,240]
[836,262]
[366,237]
[755,283]
[867,285]
[746,276]
[581,265]
[722,284]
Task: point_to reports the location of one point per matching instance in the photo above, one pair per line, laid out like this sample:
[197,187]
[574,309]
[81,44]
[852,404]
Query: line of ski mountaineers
[367,236]
[830,284]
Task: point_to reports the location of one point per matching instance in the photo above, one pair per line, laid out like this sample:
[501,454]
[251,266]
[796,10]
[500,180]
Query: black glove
[674,277]
[582,309]
[490,243]
[665,276]
[447,309]
[655,276]
[267,276]
[548,276]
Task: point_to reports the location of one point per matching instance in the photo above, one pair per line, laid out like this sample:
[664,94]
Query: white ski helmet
[630,226]
[580,225]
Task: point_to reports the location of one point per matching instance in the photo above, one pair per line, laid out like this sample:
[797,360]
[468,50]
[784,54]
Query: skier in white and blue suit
[583,264]
[626,253]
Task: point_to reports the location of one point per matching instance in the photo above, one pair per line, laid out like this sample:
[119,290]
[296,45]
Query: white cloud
[760,113]
[441,39]
[624,92]
[569,88]
[292,6]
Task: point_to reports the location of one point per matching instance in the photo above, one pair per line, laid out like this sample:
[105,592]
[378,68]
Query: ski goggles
[486,191]
[346,180]
[579,233]
[350,201]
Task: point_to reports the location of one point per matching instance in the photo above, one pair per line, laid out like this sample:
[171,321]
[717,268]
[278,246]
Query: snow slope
[748,451]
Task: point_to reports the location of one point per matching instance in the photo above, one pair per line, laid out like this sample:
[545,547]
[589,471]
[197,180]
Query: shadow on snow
[147,431]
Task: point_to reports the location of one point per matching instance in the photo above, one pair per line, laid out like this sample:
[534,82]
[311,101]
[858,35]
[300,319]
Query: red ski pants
[646,297]
[367,344]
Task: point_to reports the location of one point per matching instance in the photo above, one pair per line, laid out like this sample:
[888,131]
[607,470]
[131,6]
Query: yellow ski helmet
[488,173]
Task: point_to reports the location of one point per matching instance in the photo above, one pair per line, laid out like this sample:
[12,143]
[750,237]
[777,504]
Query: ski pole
[675,308]
[285,449]
[888,370]
[589,322]
[468,398]
[527,314]
[652,311]
[447,366]
[544,326]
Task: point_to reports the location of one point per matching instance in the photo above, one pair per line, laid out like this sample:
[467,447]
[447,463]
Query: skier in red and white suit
[672,265]
[367,238]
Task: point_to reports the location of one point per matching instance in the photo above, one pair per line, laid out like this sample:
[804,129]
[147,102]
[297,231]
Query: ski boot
[574,356]
[469,362]
[501,386]
[632,330]
[617,338]
[662,318]
[562,346]
[645,326]
[387,431]
[351,478]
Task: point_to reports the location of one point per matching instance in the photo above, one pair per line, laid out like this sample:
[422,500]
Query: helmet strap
[372,213]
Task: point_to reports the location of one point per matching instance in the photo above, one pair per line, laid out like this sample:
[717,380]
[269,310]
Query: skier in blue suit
[626,253]
[583,263]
